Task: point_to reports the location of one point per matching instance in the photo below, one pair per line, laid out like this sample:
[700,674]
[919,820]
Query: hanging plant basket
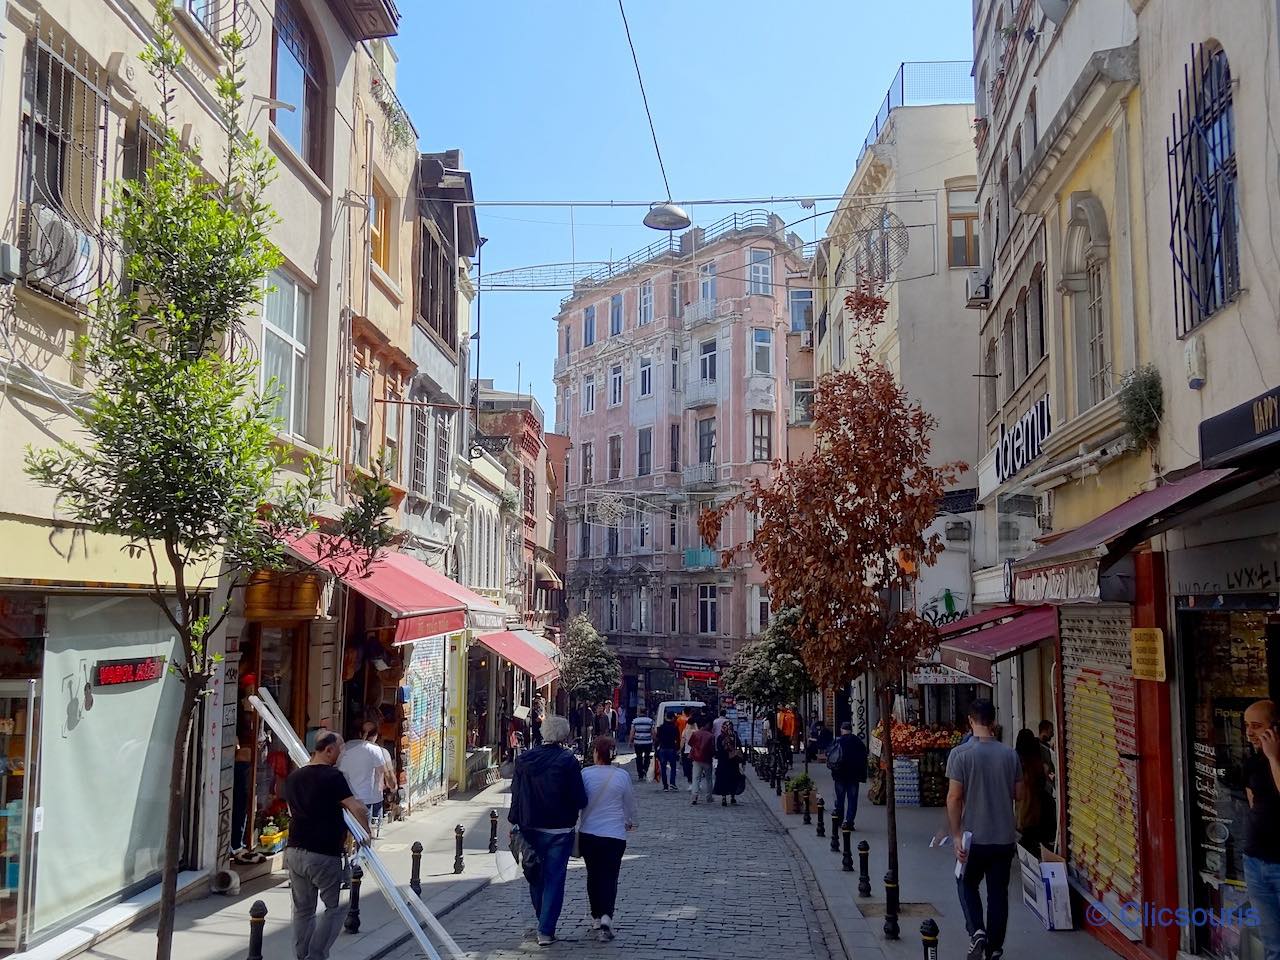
[1142,404]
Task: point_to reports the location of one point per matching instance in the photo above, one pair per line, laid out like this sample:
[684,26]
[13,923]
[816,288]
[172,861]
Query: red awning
[482,614]
[976,651]
[396,582]
[512,646]
[973,621]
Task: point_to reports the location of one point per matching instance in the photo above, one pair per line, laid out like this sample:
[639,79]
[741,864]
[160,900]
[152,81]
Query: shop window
[297,78]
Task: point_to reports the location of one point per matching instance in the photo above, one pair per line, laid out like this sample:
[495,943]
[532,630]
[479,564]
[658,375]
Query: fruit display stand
[920,765]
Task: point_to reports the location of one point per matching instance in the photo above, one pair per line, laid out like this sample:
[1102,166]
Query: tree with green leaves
[769,672]
[176,449]
[589,670]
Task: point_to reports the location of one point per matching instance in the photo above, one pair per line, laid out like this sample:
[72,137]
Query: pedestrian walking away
[317,794]
[985,779]
[1262,840]
[641,739]
[847,761]
[1046,751]
[368,769]
[718,723]
[546,795]
[702,750]
[602,833]
[1035,810]
[536,714]
[668,740]
[688,730]
[729,780]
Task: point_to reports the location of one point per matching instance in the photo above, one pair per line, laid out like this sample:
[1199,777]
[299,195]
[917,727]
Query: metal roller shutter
[1100,737]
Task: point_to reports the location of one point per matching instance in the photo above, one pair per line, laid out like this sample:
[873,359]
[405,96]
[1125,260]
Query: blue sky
[750,99]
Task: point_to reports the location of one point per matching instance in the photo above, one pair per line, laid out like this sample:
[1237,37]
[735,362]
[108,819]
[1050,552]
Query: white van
[673,707]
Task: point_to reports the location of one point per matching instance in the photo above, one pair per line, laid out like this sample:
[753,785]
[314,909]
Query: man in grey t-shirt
[985,777]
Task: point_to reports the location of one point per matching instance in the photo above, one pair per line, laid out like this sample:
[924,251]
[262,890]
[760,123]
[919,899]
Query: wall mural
[424,770]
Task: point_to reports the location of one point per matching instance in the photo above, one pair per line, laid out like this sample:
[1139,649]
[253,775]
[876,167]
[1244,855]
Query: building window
[801,401]
[613,609]
[286,333]
[645,313]
[838,345]
[673,610]
[762,610]
[588,326]
[615,385]
[707,440]
[644,536]
[611,541]
[642,603]
[568,339]
[530,492]
[1003,221]
[437,293]
[297,79]
[673,527]
[588,458]
[675,367]
[391,422]
[675,447]
[762,351]
[421,450]
[1022,336]
[380,227]
[761,436]
[444,437]
[567,477]
[362,385]
[707,360]
[615,315]
[962,227]
[1096,331]
[708,621]
[990,380]
[673,300]
[1007,374]
[1203,195]
[707,282]
[761,275]
[584,538]
[1085,280]
[1030,126]
[615,457]
[589,394]
[1035,322]
[644,451]
[646,376]
[800,303]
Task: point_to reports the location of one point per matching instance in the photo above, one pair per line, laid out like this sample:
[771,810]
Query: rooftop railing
[922,84]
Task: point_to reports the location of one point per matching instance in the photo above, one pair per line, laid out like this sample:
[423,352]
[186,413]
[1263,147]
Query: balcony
[369,19]
[561,365]
[701,558]
[702,312]
[701,476]
[701,393]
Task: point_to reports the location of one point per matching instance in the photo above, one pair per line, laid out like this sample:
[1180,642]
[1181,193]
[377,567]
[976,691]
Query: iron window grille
[1203,201]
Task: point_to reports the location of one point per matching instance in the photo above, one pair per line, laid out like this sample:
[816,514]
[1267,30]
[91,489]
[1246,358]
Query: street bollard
[458,833]
[835,833]
[257,921]
[782,779]
[808,819]
[493,831]
[846,862]
[822,817]
[929,937]
[864,870]
[415,872]
[795,799]
[890,906]
[352,923]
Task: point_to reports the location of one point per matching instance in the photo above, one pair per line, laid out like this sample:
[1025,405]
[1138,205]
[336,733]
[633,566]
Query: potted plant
[800,785]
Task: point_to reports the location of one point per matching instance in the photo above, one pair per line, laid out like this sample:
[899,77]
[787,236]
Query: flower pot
[276,595]
[789,804]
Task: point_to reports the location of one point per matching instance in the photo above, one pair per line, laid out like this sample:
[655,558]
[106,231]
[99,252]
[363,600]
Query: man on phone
[1262,840]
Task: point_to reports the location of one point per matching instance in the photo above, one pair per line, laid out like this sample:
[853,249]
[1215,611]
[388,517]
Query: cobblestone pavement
[698,883]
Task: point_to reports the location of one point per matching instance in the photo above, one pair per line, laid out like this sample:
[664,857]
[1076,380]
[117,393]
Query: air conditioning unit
[806,339]
[977,289]
[1044,510]
[60,257]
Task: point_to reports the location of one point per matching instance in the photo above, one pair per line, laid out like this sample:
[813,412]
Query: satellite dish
[1055,10]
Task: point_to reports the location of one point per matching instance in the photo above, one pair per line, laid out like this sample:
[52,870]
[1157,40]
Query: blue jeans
[846,792]
[1263,882]
[667,761]
[546,890]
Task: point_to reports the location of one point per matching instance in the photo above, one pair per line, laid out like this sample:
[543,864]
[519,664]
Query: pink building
[672,385]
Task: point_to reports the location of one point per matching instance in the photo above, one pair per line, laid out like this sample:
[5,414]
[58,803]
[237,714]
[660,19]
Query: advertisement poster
[424,767]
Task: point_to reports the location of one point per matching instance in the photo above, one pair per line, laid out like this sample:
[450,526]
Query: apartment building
[672,385]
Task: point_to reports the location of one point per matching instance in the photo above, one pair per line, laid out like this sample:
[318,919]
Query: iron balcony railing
[701,393]
[920,84]
[701,558]
[701,473]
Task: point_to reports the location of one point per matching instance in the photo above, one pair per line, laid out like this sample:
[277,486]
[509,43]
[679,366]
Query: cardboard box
[1045,889]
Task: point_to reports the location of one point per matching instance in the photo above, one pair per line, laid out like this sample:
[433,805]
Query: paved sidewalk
[926,882]
[217,928]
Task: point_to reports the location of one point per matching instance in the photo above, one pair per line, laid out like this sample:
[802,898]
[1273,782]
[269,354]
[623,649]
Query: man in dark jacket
[546,795]
[847,760]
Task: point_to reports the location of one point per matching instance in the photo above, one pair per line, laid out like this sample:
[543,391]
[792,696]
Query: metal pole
[835,833]
[493,831]
[257,920]
[458,832]
[929,939]
[415,869]
[846,861]
[352,923]
[864,870]
[891,906]
[808,817]
[822,817]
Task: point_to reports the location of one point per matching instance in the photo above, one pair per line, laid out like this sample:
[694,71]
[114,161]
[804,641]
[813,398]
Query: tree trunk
[191,690]
[890,807]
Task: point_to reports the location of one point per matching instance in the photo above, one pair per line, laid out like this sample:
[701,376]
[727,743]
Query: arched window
[1008,375]
[1086,281]
[297,78]
[1029,124]
[1022,336]
[1035,317]
[990,376]
[1002,213]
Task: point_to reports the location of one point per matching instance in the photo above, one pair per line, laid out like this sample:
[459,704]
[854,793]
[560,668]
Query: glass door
[19,701]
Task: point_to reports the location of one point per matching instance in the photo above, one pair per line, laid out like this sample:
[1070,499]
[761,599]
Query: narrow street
[698,882]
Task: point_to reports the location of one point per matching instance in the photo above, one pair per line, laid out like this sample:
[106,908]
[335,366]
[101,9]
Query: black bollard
[835,833]
[458,833]
[822,817]
[795,799]
[493,831]
[257,920]
[352,923]
[808,819]
[782,778]
[415,872]
[929,937]
[864,870]
[890,906]
[846,862]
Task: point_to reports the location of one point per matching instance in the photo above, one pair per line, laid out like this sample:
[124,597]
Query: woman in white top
[602,832]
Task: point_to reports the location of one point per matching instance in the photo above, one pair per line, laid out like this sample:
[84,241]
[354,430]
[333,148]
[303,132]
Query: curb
[381,951]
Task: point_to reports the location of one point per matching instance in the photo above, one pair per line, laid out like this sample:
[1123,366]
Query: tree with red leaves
[843,532]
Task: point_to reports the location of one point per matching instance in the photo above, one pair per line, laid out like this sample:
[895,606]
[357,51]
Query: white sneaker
[545,940]
[606,927]
[595,924]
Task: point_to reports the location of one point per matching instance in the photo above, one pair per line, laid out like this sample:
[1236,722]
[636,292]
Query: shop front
[698,680]
[505,671]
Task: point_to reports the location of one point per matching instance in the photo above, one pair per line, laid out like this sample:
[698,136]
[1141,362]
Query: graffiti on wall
[424,769]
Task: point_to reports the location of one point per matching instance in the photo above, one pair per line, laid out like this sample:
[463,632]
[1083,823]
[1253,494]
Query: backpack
[835,756]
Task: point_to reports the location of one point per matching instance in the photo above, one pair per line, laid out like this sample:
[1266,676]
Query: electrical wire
[645,98]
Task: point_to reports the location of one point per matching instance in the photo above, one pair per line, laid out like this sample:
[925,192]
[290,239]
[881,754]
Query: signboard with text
[1072,582]
[113,673]
[1147,650]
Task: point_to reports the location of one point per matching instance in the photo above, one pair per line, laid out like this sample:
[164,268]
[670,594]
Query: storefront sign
[1019,446]
[1147,650]
[113,673]
[1228,437]
[939,674]
[1060,583]
[1238,566]
[976,669]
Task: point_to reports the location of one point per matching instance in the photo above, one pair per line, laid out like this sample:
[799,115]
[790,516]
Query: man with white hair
[546,795]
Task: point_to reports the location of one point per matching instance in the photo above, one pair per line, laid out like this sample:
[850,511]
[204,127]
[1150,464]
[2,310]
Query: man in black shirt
[667,739]
[317,794]
[1262,842]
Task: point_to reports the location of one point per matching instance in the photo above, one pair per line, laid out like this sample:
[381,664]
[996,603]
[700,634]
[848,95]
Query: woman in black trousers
[602,832]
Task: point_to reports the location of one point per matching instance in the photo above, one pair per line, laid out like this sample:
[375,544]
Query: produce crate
[933,777]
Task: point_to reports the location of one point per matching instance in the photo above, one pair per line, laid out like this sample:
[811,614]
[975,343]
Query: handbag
[591,804]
